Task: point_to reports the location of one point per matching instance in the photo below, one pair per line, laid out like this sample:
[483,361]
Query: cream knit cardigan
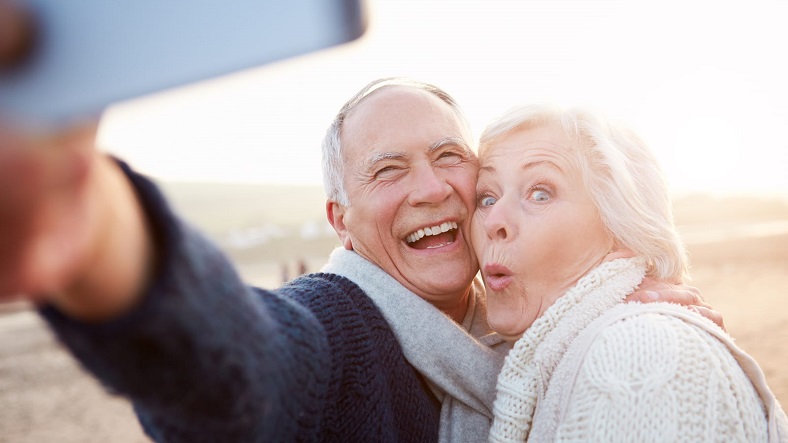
[595,369]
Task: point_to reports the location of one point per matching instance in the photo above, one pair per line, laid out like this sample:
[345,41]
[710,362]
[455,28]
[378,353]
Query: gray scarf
[460,362]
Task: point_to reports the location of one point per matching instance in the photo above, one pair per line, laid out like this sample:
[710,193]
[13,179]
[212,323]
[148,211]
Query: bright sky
[703,82]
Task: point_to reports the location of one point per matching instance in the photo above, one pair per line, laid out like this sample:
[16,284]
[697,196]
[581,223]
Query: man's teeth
[421,233]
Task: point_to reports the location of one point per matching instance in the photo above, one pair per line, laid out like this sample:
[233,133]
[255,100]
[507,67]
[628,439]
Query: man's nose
[429,187]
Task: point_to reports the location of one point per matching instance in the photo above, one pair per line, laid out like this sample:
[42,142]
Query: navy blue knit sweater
[205,358]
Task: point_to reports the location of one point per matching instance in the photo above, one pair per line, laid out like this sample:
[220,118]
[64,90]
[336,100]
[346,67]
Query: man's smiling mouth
[433,237]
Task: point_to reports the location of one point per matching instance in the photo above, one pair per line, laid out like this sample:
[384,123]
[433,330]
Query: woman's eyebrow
[526,166]
[537,163]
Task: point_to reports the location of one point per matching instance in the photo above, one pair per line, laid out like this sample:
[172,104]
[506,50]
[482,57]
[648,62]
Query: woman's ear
[335,213]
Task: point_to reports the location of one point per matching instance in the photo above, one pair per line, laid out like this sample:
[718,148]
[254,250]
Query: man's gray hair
[333,164]
[623,177]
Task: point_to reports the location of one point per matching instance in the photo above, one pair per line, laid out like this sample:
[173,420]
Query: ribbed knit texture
[205,358]
[654,378]
[517,388]
[649,377]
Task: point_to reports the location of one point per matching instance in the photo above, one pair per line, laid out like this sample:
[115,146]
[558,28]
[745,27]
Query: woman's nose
[498,223]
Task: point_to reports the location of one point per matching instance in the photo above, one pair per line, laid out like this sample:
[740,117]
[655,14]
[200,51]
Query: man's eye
[487,201]
[383,172]
[540,196]
[449,157]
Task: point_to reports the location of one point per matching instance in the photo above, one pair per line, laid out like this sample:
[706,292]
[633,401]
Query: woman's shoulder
[659,332]
[656,318]
[641,362]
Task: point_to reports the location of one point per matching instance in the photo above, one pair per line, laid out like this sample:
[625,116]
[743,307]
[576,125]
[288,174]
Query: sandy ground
[46,397]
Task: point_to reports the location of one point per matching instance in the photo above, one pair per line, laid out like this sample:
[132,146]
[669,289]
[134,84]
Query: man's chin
[447,277]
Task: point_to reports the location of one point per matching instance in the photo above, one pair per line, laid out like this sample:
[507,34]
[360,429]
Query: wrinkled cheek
[475,254]
[476,241]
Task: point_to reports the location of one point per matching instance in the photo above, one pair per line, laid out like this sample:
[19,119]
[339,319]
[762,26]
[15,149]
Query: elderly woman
[563,195]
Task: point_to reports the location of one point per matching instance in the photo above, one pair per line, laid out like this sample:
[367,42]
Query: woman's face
[536,230]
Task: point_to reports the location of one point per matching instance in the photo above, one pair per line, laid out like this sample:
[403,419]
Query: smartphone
[87,54]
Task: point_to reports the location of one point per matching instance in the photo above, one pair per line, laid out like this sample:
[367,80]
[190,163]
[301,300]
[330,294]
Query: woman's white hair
[623,177]
[333,165]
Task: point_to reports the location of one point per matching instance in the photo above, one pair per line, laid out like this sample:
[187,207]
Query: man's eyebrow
[457,141]
[380,156]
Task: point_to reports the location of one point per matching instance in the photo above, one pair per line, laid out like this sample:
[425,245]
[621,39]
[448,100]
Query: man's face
[410,177]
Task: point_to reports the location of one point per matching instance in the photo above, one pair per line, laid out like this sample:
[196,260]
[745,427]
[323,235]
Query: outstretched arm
[149,305]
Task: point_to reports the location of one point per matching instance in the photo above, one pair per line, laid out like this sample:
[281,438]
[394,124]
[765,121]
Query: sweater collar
[536,354]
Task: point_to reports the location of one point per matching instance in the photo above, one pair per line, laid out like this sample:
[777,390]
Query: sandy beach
[740,265]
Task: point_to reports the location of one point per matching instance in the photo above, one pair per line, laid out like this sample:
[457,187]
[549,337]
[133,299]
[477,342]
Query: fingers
[668,294]
[651,290]
[17,34]
[711,314]
[42,182]
[31,163]
[690,297]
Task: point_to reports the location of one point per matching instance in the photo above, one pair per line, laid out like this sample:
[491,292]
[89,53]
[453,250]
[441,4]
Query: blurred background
[703,82]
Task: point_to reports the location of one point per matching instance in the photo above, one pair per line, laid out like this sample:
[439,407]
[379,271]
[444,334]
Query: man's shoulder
[322,287]
[332,298]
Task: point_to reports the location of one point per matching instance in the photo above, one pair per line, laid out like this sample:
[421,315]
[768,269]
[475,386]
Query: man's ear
[335,213]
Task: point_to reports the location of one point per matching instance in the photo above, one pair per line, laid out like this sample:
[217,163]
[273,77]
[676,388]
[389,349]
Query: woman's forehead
[527,141]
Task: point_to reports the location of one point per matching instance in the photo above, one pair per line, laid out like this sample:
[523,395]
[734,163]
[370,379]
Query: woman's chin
[511,329]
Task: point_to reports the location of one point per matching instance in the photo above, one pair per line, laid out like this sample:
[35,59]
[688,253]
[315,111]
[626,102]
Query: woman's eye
[540,196]
[487,201]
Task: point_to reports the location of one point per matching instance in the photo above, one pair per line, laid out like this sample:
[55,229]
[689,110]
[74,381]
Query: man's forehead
[390,102]
[394,112]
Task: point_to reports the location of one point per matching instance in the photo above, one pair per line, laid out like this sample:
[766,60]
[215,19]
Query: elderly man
[157,313]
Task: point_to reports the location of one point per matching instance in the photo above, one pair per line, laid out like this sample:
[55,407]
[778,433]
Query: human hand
[651,290]
[17,33]
[45,215]
[72,232]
